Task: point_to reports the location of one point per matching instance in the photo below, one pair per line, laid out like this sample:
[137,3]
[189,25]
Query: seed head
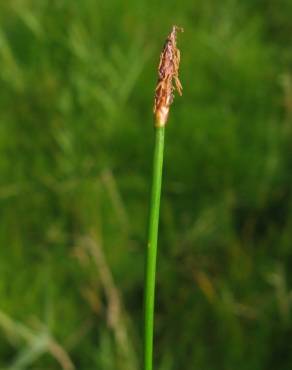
[168,80]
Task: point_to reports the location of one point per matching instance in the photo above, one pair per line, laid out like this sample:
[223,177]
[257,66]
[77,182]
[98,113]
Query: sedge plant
[168,81]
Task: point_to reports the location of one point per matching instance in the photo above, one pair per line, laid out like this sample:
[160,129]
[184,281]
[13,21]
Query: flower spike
[168,80]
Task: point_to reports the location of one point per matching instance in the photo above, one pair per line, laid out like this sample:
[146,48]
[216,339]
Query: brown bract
[168,80]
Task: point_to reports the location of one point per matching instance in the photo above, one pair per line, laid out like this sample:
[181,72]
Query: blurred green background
[77,84]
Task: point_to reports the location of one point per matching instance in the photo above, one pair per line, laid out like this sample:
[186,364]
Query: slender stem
[149,293]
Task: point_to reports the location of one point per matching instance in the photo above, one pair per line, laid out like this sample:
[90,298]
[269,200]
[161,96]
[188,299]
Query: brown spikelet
[167,73]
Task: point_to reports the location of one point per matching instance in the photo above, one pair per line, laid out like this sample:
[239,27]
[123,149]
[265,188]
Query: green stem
[149,293]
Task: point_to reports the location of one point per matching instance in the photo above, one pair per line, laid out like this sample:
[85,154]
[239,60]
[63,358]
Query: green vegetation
[77,82]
